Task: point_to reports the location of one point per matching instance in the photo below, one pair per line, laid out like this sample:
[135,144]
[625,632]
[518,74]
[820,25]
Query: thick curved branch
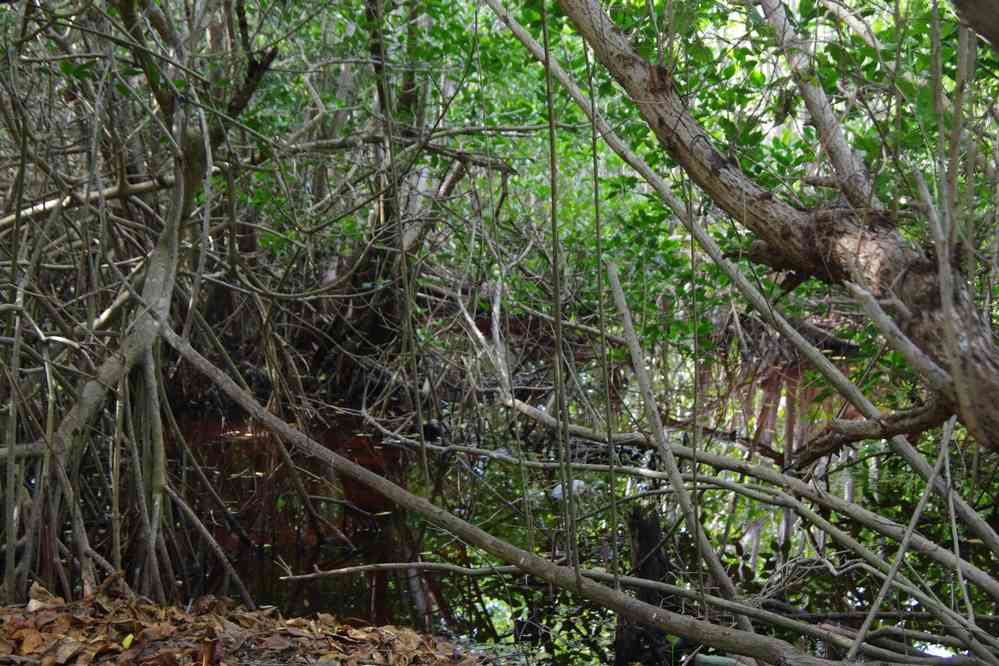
[840,432]
[967,513]
[832,244]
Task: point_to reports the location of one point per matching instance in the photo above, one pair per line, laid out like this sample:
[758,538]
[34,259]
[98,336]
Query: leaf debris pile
[119,629]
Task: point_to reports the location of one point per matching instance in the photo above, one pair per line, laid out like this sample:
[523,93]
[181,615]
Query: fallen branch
[726,639]
[771,618]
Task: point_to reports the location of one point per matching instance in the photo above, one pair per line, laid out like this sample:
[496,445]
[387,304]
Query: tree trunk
[638,643]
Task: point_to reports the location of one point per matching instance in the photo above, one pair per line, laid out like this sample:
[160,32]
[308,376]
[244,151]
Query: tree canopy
[576,325]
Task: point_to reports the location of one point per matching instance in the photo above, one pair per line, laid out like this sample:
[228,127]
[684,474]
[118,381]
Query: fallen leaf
[157,631]
[162,658]
[31,640]
[66,649]
[275,642]
[43,597]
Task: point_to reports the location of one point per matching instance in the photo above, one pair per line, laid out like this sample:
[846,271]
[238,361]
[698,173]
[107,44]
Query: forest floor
[113,628]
